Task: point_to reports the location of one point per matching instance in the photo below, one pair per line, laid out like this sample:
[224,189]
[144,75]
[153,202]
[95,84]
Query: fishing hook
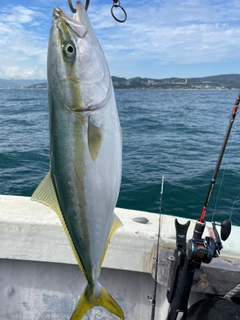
[116,4]
[73,9]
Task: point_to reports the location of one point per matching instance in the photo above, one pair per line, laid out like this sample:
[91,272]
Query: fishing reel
[190,255]
[203,250]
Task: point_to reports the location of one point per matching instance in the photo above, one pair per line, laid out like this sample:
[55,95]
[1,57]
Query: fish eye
[69,51]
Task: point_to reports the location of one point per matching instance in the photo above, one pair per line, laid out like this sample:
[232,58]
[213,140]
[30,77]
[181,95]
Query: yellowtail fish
[85,150]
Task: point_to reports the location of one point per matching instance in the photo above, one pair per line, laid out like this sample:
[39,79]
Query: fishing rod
[189,255]
[200,224]
[153,297]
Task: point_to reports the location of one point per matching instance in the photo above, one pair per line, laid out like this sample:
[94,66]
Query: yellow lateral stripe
[46,194]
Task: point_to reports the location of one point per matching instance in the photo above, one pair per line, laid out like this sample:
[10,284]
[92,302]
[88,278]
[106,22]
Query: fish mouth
[57,12]
[74,24]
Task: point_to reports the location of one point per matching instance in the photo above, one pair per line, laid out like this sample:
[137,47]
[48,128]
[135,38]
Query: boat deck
[40,278]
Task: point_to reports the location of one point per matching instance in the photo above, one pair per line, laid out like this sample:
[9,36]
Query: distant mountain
[4,83]
[224,81]
[38,86]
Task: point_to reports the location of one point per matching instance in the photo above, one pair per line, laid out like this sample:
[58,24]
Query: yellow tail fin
[90,299]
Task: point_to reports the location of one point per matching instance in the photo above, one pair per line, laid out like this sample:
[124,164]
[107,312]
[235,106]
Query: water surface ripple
[177,133]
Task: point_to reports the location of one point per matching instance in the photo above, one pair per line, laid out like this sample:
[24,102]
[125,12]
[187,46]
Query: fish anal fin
[117,223]
[90,299]
[46,194]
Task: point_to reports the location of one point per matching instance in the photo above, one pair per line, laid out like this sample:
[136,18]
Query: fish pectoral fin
[117,223]
[89,300]
[46,194]
[121,135]
[94,138]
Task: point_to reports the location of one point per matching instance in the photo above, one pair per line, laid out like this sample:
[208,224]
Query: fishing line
[237,199]
[200,224]
[153,297]
[223,176]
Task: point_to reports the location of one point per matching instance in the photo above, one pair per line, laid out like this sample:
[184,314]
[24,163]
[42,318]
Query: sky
[160,38]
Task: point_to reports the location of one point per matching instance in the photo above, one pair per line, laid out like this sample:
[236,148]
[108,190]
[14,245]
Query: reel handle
[226,227]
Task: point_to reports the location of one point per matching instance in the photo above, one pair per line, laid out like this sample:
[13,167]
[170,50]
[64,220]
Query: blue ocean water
[177,133]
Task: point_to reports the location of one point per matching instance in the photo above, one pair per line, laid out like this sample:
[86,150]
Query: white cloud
[16,72]
[180,32]
[157,32]
[22,50]
[18,15]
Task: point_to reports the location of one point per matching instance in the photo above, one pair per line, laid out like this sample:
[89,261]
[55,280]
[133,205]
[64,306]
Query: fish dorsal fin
[117,223]
[46,194]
